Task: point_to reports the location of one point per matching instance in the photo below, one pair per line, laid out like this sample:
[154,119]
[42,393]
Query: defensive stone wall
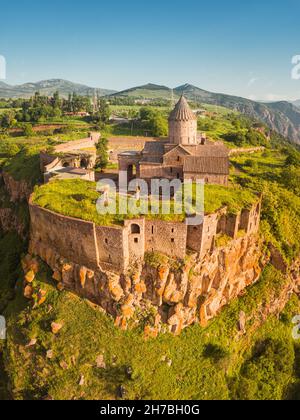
[86,143]
[202,238]
[119,145]
[116,248]
[73,238]
[166,238]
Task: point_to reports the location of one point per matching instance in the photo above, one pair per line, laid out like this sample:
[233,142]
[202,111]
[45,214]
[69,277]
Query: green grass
[235,198]
[62,197]
[205,364]
[19,156]
[262,172]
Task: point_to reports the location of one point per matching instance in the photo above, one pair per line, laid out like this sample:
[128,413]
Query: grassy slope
[205,362]
[19,156]
[281,208]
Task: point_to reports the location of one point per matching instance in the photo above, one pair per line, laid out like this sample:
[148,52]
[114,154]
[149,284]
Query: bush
[266,374]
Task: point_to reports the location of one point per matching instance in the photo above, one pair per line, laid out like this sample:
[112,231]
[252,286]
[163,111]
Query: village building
[185,154]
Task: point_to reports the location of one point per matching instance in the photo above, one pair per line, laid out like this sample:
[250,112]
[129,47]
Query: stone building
[75,159]
[184,155]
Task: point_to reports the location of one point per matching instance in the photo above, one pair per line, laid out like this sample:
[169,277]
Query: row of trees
[251,137]
[40,108]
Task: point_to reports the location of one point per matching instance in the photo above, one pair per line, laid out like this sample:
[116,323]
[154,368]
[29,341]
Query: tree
[28,130]
[102,154]
[154,122]
[293,158]
[238,138]
[7,120]
[159,126]
[291,179]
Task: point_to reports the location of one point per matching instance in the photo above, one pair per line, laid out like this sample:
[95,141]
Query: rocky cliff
[167,294]
[13,205]
[17,190]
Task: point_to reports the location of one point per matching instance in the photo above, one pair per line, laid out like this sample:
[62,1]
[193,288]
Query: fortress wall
[194,238]
[78,144]
[250,219]
[111,246]
[166,237]
[46,160]
[135,234]
[209,233]
[123,144]
[232,225]
[71,238]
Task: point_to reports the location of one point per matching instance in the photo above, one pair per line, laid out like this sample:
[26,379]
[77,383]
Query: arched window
[135,229]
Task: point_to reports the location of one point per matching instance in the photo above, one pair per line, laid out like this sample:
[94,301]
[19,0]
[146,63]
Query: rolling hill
[48,87]
[283,117]
[149,91]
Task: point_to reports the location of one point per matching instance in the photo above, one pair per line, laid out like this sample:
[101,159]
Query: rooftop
[182,111]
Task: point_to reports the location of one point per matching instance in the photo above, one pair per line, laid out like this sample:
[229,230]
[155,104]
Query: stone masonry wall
[87,143]
[73,239]
[183,132]
[209,178]
[166,238]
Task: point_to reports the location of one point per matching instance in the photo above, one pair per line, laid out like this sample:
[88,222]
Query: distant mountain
[283,117]
[297,103]
[48,87]
[149,91]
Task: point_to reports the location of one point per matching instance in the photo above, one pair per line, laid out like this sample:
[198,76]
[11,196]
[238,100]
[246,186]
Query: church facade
[184,155]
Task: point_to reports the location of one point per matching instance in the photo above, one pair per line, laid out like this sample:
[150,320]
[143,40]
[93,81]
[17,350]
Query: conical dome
[182,111]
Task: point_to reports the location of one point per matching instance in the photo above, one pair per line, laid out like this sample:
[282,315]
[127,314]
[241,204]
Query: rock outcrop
[170,296]
[17,190]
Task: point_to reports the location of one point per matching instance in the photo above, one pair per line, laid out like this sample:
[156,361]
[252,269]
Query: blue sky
[237,47]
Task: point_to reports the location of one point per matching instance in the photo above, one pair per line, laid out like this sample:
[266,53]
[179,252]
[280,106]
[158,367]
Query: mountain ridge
[282,116]
[48,87]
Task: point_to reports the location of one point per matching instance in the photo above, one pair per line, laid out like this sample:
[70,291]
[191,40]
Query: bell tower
[183,124]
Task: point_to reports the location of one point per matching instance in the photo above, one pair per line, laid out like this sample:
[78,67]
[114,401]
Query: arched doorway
[83,163]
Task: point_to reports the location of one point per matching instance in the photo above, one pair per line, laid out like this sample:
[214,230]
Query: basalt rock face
[17,190]
[169,297]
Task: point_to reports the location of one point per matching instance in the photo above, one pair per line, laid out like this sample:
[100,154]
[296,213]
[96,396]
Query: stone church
[185,154]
